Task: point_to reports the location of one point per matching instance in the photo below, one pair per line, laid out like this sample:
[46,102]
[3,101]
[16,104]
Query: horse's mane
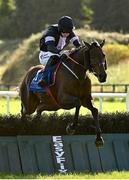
[94,43]
[72,52]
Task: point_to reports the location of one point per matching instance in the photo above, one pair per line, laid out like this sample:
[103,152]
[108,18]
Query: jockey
[53,41]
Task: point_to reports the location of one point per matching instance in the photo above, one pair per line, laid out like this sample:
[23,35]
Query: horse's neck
[76,64]
[82,58]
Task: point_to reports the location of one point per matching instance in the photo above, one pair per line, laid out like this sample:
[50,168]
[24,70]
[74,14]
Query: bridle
[84,57]
[89,65]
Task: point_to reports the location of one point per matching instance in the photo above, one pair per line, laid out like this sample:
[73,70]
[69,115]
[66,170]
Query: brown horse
[72,87]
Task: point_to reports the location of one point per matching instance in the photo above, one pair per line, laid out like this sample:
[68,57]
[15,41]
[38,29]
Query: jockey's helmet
[65,24]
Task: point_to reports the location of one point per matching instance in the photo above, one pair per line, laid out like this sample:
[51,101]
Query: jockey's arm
[76,43]
[74,39]
[51,47]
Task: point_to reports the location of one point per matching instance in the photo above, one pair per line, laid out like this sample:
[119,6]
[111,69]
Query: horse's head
[97,61]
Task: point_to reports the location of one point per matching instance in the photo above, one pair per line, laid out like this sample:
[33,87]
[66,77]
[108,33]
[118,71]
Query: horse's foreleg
[99,140]
[88,104]
[71,128]
[78,105]
[96,118]
[67,102]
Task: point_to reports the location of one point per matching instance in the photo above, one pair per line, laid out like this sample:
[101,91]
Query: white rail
[100,96]
[7,94]
[119,95]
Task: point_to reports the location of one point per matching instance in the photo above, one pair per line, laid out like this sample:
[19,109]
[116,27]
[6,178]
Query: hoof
[70,129]
[99,142]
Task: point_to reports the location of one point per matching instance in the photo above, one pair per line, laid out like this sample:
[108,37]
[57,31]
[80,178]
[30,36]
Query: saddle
[49,75]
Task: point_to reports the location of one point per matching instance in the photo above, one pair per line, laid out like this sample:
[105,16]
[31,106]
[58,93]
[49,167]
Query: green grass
[107,175]
[107,107]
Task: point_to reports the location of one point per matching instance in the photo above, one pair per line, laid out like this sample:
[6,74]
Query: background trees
[111,15]
[20,18]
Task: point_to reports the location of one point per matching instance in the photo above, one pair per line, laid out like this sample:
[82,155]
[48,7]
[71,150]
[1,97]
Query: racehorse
[72,87]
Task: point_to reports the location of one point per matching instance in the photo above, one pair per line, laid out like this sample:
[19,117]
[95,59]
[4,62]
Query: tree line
[20,18]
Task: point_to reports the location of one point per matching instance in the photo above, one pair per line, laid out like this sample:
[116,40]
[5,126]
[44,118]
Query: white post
[100,104]
[127,101]
[7,105]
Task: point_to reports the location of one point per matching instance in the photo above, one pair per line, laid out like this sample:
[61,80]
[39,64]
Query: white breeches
[45,56]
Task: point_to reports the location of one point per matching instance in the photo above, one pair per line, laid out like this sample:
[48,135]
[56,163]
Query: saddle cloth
[48,75]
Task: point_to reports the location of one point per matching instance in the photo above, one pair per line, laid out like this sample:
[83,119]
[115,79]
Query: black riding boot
[50,62]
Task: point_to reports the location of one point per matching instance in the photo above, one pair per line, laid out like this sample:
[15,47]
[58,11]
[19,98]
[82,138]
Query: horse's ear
[102,43]
[86,44]
[82,42]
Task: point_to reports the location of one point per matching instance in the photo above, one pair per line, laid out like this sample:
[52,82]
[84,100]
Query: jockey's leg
[52,60]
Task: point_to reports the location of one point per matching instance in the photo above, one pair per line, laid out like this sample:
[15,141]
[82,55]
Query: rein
[68,57]
[89,67]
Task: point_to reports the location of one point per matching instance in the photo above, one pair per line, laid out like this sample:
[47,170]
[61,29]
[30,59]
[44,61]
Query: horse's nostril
[103,77]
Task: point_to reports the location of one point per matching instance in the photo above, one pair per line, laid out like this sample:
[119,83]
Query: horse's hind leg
[88,104]
[23,110]
[30,105]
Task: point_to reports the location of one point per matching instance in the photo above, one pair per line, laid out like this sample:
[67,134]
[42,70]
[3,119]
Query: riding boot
[42,81]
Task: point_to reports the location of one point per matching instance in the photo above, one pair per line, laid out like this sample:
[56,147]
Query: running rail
[100,96]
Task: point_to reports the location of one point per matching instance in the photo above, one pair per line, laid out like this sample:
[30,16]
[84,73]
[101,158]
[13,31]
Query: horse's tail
[25,82]
[23,87]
